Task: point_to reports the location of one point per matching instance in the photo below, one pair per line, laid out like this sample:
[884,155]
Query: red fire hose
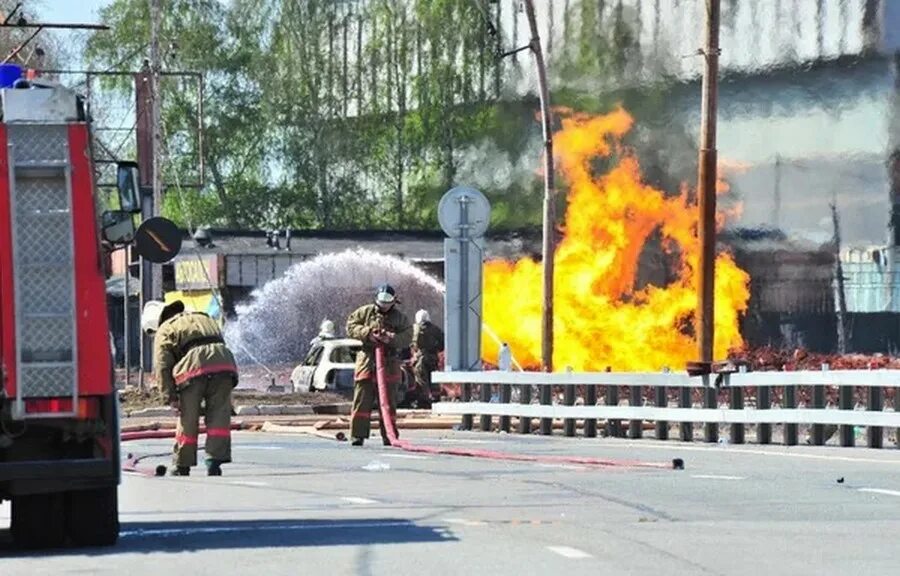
[387,420]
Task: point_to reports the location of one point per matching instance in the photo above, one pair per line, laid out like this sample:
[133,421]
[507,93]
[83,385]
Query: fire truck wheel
[37,521]
[92,516]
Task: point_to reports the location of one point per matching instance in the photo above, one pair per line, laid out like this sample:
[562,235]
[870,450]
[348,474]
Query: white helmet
[422,316]
[150,318]
[326,329]
[154,311]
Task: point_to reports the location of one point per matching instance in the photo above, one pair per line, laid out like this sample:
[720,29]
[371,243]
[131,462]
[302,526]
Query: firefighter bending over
[193,365]
[428,342]
[373,324]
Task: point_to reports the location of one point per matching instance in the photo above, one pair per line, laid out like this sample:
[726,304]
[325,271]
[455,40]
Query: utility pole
[706,191]
[156,120]
[144,140]
[549,224]
[839,285]
[148,113]
[706,183]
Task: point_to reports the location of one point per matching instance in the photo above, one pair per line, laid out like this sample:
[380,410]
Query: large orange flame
[600,318]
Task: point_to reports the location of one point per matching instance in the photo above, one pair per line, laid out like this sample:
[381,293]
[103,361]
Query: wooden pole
[549,221]
[706,190]
[706,183]
[156,127]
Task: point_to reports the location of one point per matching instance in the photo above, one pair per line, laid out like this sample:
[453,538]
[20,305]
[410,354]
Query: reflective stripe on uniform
[212,369]
[185,439]
[218,432]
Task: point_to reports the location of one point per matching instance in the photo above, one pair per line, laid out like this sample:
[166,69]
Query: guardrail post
[710,400]
[636,427]
[875,434]
[525,398]
[613,427]
[737,403]
[687,428]
[845,402]
[569,400]
[505,397]
[486,422]
[466,397]
[897,409]
[546,400]
[661,401]
[790,401]
[590,399]
[763,402]
[818,402]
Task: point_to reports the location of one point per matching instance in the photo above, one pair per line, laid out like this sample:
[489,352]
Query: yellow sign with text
[194,273]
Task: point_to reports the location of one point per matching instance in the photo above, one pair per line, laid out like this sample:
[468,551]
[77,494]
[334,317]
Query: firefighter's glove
[381,336]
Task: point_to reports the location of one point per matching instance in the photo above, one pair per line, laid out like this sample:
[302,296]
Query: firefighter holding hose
[377,324]
[193,366]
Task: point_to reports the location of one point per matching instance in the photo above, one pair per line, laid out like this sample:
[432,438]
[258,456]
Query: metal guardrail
[732,385]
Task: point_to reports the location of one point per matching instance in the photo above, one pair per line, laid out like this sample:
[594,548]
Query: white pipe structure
[773,415]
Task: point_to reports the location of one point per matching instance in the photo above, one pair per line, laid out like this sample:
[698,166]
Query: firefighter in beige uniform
[193,366]
[428,342]
[373,324]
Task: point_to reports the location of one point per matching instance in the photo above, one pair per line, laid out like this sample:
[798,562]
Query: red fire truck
[59,427]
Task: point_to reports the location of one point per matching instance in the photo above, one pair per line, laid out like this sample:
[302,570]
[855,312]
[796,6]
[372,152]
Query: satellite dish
[477,212]
[158,240]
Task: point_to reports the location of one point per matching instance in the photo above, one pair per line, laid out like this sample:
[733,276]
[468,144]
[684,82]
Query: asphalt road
[303,505]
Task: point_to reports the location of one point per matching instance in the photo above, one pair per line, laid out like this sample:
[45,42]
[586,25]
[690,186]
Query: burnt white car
[328,366]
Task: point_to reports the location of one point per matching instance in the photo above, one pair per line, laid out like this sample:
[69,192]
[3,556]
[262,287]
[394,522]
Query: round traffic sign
[157,239]
[461,202]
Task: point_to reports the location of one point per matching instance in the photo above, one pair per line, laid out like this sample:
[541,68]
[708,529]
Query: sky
[69,11]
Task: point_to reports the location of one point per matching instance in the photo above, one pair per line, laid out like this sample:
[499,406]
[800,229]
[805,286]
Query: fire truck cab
[59,427]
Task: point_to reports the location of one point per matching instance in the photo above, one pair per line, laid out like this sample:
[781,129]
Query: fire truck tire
[37,521]
[92,516]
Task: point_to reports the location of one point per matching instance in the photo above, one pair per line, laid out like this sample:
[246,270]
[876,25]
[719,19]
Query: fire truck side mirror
[118,227]
[128,183]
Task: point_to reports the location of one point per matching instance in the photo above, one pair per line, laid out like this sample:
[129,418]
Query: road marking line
[358,500]
[562,466]
[567,552]
[464,522]
[141,532]
[257,447]
[248,483]
[464,441]
[732,450]
[408,456]
[717,477]
[880,491]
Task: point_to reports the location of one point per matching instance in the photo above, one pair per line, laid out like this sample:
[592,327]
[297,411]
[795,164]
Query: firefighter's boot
[357,441]
[213,467]
[181,471]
